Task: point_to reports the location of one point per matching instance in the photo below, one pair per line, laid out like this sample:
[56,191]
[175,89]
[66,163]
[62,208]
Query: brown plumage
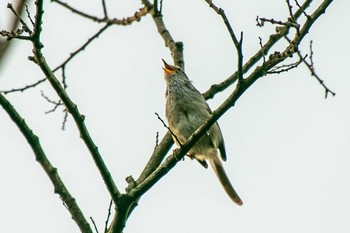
[186,109]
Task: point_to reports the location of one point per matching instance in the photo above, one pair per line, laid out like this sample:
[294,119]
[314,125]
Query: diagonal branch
[83,47]
[71,106]
[51,171]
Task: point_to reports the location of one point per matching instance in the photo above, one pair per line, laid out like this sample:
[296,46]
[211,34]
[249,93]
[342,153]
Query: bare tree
[268,60]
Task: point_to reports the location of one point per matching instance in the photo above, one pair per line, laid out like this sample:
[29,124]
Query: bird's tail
[225,182]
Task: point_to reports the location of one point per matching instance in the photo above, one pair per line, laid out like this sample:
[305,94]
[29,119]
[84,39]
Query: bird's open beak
[168,69]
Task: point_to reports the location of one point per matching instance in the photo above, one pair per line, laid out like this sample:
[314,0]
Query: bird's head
[172,71]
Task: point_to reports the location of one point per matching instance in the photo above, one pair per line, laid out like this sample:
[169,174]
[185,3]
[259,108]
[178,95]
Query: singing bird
[185,110]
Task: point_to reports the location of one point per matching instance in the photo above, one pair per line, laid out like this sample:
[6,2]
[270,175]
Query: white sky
[288,147]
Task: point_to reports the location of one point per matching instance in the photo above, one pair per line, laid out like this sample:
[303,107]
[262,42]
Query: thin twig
[93,223]
[24,88]
[108,216]
[300,7]
[55,103]
[157,139]
[273,39]
[83,47]
[25,26]
[165,125]
[65,117]
[161,6]
[124,21]
[104,9]
[286,67]
[310,66]
[4,45]
[238,44]
[28,15]
[63,64]
[261,22]
[64,79]
[290,9]
[262,50]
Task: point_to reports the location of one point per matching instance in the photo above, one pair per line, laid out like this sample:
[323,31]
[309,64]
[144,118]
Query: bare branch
[104,9]
[55,103]
[286,67]
[302,9]
[273,39]
[17,33]
[28,15]
[60,188]
[63,127]
[23,88]
[238,44]
[261,22]
[310,66]
[157,139]
[93,223]
[262,50]
[79,120]
[71,107]
[155,169]
[4,45]
[290,9]
[124,21]
[274,59]
[81,48]
[64,79]
[108,216]
[25,26]
[63,64]
[176,48]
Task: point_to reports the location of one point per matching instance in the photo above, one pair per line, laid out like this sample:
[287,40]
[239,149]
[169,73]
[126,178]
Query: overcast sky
[288,147]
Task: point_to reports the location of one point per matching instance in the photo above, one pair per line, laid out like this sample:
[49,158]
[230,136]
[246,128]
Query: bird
[185,110]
